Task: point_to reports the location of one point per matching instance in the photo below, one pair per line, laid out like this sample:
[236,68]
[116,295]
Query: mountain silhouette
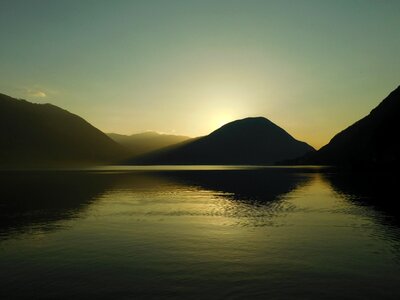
[43,135]
[247,141]
[144,142]
[370,142]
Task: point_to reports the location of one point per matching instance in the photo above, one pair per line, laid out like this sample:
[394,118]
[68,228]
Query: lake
[199,232]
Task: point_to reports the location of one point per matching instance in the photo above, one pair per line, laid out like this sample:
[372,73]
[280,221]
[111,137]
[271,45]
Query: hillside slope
[44,134]
[371,141]
[144,142]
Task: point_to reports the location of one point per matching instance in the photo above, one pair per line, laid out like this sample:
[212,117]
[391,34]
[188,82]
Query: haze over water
[221,232]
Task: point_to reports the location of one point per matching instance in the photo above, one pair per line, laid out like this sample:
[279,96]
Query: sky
[187,67]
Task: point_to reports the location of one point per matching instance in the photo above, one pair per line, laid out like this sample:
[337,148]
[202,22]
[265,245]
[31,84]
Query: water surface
[217,233]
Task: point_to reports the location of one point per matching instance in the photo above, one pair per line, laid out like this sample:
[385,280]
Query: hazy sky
[187,67]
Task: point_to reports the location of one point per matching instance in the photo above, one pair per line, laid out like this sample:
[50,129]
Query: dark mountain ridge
[369,142]
[44,134]
[251,141]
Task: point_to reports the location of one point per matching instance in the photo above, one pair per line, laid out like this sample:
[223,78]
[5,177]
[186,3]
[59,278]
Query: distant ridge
[46,135]
[248,141]
[144,142]
[372,141]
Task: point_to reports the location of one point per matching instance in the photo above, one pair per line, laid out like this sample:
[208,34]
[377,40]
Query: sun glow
[220,119]
[224,104]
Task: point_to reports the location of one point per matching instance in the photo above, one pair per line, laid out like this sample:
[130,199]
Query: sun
[220,119]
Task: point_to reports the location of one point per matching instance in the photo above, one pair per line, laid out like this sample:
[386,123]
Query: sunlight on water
[201,233]
[171,167]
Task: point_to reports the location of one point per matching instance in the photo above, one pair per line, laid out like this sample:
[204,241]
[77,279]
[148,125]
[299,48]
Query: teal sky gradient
[187,67]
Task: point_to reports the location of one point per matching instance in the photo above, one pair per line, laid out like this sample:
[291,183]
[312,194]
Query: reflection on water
[36,200]
[378,191]
[216,233]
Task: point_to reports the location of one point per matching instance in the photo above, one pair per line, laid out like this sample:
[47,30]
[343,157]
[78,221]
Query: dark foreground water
[215,233]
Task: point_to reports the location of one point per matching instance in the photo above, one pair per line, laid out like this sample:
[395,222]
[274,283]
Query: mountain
[44,134]
[144,142]
[371,141]
[246,141]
